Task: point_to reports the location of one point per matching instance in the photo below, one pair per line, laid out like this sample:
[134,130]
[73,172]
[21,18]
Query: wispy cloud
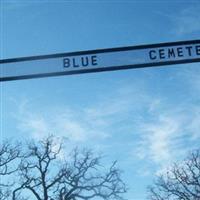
[169,134]
[184,21]
[157,128]
[96,123]
[157,138]
[78,124]
[75,125]
[172,127]
[188,20]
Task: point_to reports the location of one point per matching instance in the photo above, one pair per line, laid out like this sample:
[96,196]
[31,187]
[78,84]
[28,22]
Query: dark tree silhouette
[46,173]
[84,182]
[181,182]
[9,154]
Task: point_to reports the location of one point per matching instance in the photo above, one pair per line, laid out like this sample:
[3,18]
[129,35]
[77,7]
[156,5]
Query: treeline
[41,170]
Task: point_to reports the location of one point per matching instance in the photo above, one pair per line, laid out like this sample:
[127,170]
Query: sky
[144,118]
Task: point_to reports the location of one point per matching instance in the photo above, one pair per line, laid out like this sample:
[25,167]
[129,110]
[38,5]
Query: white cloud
[173,126]
[108,108]
[194,126]
[78,125]
[184,21]
[154,105]
[190,75]
[118,103]
[35,124]
[156,139]
[188,20]
[161,128]
[169,134]
[91,124]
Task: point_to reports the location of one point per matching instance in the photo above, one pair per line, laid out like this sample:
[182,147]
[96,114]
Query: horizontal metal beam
[100,60]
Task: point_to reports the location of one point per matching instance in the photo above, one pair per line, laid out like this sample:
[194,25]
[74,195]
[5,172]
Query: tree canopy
[180,182]
[44,171]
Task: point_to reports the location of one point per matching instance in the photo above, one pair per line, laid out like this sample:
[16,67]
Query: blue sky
[145,118]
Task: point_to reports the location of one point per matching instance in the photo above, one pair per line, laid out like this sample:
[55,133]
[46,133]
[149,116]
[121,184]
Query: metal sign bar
[100,60]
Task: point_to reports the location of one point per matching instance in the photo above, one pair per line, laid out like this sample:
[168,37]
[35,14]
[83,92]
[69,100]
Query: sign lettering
[82,61]
[100,60]
[177,52]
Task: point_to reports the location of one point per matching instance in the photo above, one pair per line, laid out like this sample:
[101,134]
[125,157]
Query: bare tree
[9,154]
[46,173]
[181,182]
[84,181]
